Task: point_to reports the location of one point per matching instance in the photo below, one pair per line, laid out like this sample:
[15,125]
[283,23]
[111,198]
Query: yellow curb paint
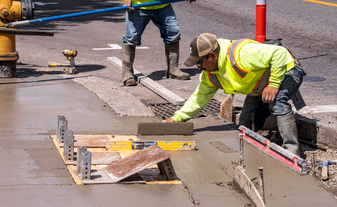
[322,2]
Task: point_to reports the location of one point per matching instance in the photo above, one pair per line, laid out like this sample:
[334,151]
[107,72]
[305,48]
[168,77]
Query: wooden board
[240,177]
[135,163]
[100,158]
[98,141]
[226,108]
[100,177]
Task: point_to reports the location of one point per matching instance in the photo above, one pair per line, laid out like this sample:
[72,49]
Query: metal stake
[262,184]
[62,125]
[241,151]
[68,147]
[252,116]
[86,166]
[166,168]
[79,159]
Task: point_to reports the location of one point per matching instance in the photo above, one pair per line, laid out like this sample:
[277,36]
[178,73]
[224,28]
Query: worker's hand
[129,4]
[191,0]
[269,94]
[168,120]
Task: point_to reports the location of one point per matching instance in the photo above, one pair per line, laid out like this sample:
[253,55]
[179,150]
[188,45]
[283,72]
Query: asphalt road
[306,28]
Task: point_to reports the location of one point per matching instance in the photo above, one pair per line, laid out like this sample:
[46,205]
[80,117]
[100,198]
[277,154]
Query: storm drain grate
[166,110]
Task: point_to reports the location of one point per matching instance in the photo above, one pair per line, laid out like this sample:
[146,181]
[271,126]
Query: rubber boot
[172,60]
[288,131]
[128,53]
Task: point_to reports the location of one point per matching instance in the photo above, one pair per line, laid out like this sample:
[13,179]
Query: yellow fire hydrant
[11,11]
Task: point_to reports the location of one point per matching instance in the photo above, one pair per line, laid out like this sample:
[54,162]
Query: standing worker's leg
[172,60]
[128,53]
[283,111]
[166,21]
[288,131]
[136,22]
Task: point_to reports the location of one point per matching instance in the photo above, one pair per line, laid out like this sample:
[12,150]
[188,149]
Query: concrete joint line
[150,84]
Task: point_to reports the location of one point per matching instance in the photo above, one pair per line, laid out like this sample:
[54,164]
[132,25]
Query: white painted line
[43,4]
[117,47]
[142,48]
[318,109]
[150,84]
[103,48]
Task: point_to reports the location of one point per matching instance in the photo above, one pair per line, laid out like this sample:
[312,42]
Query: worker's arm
[200,98]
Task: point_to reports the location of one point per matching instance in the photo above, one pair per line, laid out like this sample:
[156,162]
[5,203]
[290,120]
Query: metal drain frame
[166,110]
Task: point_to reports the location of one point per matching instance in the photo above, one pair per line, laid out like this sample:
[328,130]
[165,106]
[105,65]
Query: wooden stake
[226,108]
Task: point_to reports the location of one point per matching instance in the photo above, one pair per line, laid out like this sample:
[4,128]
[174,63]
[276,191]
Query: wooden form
[226,108]
[136,162]
[102,157]
[240,178]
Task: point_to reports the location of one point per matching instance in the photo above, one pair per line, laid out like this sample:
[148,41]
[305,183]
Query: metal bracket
[62,126]
[85,165]
[80,151]
[68,147]
[166,168]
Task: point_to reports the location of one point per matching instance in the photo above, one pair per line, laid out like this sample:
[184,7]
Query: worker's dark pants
[281,105]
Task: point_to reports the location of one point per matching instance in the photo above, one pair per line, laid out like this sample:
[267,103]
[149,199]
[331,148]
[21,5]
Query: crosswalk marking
[117,47]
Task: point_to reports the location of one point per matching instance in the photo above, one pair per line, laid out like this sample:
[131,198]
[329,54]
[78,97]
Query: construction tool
[325,167]
[70,55]
[139,145]
[66,16]
[55,64]
[175,128]
[273,150]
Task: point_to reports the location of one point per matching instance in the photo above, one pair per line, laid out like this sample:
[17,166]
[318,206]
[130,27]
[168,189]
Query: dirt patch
[222,147]
[314,160]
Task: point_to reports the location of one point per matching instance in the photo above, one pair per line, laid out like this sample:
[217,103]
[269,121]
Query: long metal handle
[27,22]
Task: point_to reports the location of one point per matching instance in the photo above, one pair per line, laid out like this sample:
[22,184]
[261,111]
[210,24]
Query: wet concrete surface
[33,173]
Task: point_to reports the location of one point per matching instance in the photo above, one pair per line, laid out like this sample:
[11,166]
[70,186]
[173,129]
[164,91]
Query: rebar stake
[241,151]
[262,184]
[252,117]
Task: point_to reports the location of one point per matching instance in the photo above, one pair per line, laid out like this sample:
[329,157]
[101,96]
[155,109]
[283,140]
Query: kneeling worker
[267,74]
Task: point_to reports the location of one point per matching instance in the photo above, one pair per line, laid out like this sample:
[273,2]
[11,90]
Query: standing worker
[165,19]
[267,74]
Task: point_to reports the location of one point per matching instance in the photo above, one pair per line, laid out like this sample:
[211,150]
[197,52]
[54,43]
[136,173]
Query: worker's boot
[128,52]
[288,131]
[172,60]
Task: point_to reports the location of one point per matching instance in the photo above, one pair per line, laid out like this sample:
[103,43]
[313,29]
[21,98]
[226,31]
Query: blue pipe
[27,22]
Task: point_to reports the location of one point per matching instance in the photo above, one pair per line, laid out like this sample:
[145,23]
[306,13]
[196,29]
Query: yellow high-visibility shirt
[149,7]
[252,57]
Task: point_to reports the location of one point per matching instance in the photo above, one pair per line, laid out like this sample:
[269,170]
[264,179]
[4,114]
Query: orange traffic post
[261,20]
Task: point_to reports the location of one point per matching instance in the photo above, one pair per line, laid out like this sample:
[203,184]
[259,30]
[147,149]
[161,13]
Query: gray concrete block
[177,128]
